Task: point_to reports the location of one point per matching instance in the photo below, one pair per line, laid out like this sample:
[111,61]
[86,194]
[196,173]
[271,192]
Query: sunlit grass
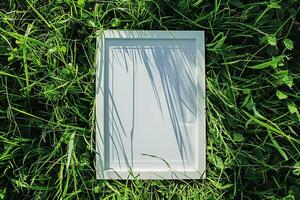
[47,97]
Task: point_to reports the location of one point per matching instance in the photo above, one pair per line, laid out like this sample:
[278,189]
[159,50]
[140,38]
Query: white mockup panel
[150,106]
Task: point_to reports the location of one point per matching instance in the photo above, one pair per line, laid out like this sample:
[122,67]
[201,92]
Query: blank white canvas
[150,105]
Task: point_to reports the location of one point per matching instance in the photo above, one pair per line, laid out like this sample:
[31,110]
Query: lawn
[47,97]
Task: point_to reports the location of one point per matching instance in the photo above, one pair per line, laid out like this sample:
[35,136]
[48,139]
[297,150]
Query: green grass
[47,97]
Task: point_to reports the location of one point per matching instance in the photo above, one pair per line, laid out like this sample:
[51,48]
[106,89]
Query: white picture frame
[150,105]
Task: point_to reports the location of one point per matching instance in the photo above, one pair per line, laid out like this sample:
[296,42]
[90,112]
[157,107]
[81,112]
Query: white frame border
[101,173]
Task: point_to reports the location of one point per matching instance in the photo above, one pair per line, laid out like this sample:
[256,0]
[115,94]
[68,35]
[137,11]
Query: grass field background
[47,97]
